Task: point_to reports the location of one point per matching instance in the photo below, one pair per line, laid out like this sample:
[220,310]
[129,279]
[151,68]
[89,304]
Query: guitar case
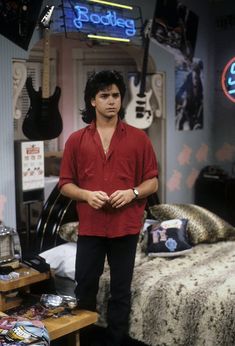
[56,211]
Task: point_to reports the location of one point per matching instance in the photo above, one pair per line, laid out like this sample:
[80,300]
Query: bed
[182,299]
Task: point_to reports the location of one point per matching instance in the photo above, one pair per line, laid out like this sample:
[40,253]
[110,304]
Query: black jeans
[91,253]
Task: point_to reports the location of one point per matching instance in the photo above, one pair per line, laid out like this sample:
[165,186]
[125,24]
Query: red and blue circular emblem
[228,80]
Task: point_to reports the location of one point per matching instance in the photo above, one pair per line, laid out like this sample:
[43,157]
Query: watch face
[136,192]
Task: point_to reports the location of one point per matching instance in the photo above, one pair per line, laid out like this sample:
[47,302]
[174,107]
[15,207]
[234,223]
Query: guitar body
[138,111]
[43,120]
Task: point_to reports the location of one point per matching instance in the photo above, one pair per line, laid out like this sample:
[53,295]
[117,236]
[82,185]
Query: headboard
[57,211]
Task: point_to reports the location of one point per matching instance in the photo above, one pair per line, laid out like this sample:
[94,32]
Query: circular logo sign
[228,80]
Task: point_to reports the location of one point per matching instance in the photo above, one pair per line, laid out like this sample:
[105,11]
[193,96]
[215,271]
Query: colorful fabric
[17,331]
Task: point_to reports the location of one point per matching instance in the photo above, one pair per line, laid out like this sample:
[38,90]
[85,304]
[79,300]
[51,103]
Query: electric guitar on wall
[43,120]
[138,111]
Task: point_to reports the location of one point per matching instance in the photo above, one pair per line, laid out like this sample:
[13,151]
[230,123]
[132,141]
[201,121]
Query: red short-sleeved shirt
[130,161]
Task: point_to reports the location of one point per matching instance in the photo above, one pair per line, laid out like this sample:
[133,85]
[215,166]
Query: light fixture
[108,38]
[112,4]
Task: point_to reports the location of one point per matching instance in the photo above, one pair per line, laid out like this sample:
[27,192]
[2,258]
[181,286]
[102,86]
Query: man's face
[107,102]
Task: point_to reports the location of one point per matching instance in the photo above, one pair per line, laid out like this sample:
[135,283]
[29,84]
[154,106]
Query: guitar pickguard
[138,111]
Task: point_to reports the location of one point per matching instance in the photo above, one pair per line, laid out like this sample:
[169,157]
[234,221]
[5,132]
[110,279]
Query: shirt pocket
[87,172]
[126,171]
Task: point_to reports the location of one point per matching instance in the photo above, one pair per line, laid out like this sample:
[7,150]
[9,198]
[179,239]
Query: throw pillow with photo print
[168,238]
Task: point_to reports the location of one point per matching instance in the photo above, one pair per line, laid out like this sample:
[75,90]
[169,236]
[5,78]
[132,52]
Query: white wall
[8,51]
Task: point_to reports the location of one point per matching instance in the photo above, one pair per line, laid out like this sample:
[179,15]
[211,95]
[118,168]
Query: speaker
[215,191]
[18,20]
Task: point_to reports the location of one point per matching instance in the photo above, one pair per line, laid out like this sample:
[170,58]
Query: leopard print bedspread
[183,301]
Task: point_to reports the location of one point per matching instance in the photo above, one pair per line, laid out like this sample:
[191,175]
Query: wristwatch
[136,192]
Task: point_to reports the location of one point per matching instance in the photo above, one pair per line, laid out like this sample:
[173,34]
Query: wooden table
[28,276]
[70,325]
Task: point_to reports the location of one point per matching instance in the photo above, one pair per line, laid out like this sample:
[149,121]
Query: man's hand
[121,197]
[97,199]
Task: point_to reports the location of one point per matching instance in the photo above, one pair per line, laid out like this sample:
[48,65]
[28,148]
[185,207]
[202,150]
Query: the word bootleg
[110,18]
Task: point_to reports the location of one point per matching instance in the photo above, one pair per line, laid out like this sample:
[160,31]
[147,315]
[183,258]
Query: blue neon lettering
[231,80]
[232,69]
[95,18]
[83,16]
[104,20]
[130,24]
[113,18]
[121,22]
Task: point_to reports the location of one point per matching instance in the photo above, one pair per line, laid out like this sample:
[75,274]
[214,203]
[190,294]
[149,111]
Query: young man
[109,168]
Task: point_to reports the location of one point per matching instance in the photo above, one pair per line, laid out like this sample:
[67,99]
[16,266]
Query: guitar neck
[46,65]
[144,68]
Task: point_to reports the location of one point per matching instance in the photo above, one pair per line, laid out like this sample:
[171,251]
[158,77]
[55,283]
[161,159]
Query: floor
[94,333]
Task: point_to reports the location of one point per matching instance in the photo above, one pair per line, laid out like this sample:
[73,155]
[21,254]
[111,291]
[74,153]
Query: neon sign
[109,18]
[99,20]
[228,80]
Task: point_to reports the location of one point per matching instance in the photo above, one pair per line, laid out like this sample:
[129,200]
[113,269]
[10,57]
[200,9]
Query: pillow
[203,225]
[62,259]
[167,238]
[68,231]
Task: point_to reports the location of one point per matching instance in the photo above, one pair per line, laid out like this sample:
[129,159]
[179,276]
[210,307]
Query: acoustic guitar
[43,120]
[138,111]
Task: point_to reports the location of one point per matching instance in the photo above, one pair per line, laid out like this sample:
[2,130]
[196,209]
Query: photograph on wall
[189,94]
[175,27]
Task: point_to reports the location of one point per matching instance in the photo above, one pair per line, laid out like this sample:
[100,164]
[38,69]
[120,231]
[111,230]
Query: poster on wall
[189,94]
[175,27]
[18,20]
[32,154]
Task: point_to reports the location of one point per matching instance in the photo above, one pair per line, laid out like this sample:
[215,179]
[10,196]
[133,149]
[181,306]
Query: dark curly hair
[100,81]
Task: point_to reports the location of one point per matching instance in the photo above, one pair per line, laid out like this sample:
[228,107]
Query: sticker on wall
[192,178]
[184,156]
[225,153]
[175,181]
[202,153]
[228,80]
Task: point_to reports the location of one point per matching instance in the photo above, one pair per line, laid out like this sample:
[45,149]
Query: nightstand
[68,325]
[28,276]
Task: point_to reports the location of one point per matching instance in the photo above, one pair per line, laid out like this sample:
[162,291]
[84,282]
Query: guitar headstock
[45,17]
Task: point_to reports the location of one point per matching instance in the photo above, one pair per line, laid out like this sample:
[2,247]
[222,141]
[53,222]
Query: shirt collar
[120,126]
